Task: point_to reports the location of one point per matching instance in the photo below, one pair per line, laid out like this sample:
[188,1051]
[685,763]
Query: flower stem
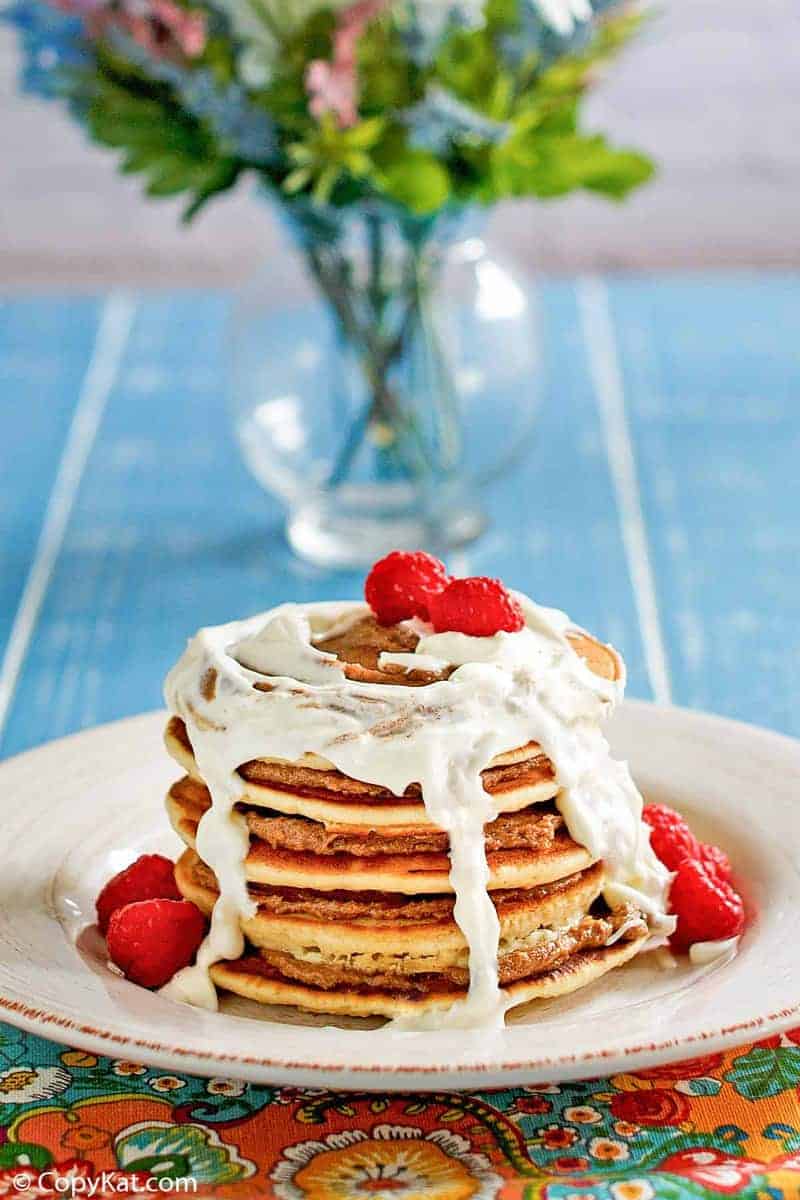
[379,318]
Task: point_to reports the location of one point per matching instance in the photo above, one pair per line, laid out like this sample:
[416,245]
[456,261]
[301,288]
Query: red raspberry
[708,909]
[670,836]
[401,585]
[477,606]
[716,862]
[150,940]
[151,877]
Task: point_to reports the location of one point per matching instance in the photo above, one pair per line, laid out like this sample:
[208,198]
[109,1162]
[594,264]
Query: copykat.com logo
[51,1182]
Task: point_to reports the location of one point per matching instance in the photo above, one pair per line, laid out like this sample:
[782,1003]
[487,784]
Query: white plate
[75,811]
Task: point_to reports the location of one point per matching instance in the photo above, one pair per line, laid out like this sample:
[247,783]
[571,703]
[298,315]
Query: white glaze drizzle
[506,691]
[701,954]
[412,662]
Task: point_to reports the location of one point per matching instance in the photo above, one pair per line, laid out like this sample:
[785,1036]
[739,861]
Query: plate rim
[532,1069]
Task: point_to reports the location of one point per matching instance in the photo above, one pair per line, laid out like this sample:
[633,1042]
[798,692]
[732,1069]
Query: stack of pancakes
[351,882]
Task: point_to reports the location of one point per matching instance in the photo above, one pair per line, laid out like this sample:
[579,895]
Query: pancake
[255,979]
[532,828]
[360,644]
[312,787]
[409,873]
[542,950]
[376,928]
[353,909]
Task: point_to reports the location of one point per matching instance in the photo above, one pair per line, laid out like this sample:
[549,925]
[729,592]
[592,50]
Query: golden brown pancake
[533,828]
[320,792]
[397,872]
[544,950]
[378,928]
[254,979]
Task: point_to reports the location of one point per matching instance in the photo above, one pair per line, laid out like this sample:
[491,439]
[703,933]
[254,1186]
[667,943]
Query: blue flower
[51,41]
[440,117]
[243,129]
[536,35]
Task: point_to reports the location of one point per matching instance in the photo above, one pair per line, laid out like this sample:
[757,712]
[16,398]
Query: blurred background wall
[712,90]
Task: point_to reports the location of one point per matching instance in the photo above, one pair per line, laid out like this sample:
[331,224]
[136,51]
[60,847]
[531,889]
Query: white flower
[564,15]
[122,1067]
[582,1114]
[167,1083]
[608,1149]
[225,1087]
[21,1084]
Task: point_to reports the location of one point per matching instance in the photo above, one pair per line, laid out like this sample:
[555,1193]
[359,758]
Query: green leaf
[174,151]
[617,172]
[389,80]
[218,178]
[364,135]
[325,183]
[29,1154]
[418,180]
[168,177]
[562,118]
[764,1072]
[297,179]
[538,163]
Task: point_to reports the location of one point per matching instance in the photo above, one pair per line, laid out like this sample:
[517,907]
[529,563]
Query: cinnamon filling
[331,785]
[534,828]
[545,954]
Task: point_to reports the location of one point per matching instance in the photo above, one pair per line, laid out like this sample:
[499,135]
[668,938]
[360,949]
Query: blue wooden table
[661,498]
[660,505]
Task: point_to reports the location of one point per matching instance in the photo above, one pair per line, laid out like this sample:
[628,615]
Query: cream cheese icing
[262,688]
[701,954]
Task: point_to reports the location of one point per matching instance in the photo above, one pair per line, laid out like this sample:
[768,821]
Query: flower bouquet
[375,126]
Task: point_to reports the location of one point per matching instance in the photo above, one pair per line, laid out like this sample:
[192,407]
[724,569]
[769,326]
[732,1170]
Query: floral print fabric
[718,1125]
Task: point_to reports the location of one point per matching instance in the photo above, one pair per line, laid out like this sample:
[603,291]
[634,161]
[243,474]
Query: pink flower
[333,86]
[162,27]
[188,29]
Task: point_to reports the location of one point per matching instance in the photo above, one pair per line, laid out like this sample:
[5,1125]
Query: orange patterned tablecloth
[718,1125]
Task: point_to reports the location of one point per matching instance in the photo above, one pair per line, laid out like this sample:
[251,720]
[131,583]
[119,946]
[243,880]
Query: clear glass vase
[379,393]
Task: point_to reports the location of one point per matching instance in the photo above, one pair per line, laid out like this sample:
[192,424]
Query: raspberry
[670,836]
[716,862]
[151,877]
[401,585]
[476,606]
[150,940]
[708,909]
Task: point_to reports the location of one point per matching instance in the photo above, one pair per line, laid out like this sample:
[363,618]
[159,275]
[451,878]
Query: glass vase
[378,389]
